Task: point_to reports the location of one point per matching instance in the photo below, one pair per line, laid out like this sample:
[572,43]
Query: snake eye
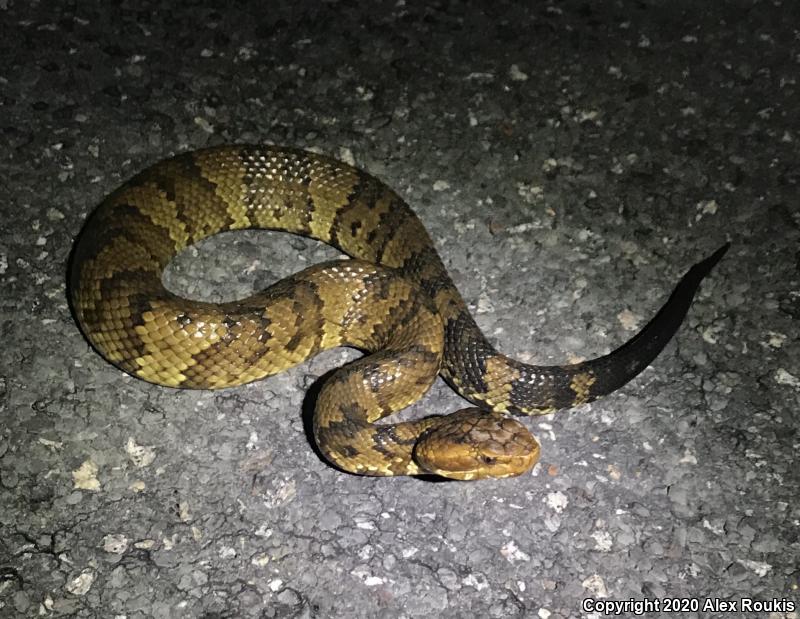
[488,460]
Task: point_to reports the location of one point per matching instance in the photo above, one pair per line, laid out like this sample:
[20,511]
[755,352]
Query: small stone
[81,584]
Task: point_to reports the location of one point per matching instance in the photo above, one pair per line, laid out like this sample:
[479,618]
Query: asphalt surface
[571,161]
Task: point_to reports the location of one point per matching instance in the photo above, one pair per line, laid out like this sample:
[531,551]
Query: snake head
[474,444]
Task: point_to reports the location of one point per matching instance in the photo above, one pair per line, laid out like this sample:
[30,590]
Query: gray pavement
[571,161]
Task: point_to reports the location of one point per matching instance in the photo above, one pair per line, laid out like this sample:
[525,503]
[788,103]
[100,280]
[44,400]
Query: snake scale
[394,300]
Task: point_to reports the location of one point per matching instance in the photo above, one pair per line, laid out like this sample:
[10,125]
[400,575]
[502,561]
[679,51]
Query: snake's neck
[353,446]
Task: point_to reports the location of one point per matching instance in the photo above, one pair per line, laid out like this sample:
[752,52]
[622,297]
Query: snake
[392,299]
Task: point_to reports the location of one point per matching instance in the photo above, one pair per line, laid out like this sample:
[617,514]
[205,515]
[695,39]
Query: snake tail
[511,386]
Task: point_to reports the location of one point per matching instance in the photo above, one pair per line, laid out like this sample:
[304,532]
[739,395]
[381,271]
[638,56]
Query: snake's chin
[482,473]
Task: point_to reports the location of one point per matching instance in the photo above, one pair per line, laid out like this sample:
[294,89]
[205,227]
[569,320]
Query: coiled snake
[394,300]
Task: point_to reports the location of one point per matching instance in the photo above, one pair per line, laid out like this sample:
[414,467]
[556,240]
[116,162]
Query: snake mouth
[481,473]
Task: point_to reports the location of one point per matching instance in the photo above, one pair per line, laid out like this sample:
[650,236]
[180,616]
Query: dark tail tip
[620,366]
[703,268]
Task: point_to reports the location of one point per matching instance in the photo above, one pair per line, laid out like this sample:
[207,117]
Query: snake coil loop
[395,300]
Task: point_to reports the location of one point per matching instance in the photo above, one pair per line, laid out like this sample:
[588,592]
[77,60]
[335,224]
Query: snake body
[394,300]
